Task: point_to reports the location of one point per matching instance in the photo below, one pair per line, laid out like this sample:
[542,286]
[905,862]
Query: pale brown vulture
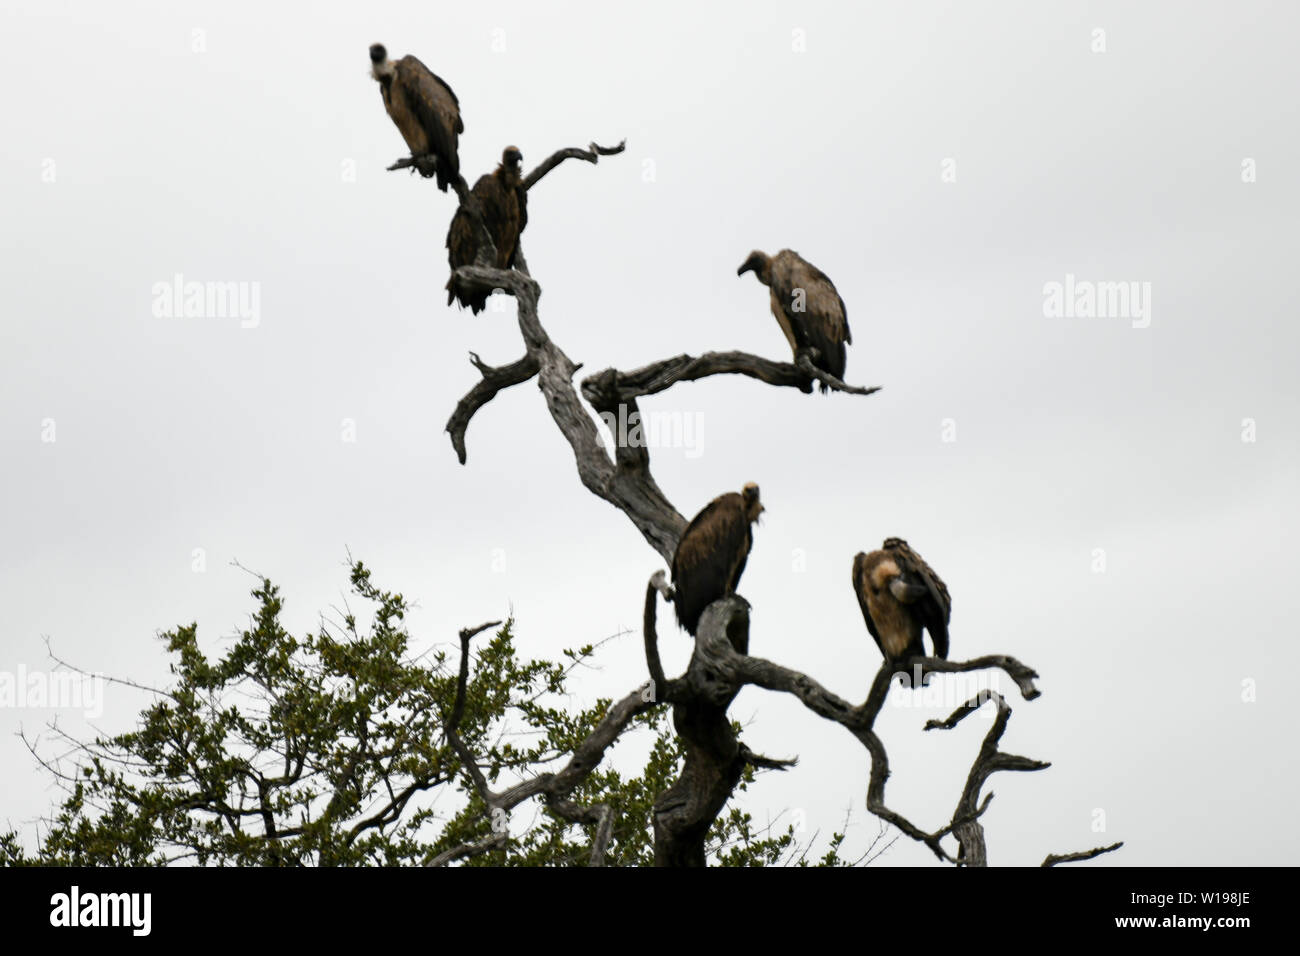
[425,110]
[900,596]
[806,305]
[712,552]
[503,201]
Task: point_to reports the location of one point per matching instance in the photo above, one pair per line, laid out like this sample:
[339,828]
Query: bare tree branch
[452,726]
[1023,676]
[1054,858]
[804,362]
[965,826]
[721,666]
[591,154]
[608,389]
[627,485]
[494,380]
[658,683]
[496,841]
[766,763]
[424,163]
[49,650]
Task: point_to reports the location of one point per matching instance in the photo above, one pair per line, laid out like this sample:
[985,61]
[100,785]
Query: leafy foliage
[330,750]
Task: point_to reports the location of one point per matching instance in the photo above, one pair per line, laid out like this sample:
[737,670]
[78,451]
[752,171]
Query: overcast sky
[1110,498]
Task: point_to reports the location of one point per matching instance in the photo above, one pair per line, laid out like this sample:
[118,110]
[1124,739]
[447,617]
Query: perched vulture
[806,305]
[425,110]
[712,552]
[504,204]
[900,595]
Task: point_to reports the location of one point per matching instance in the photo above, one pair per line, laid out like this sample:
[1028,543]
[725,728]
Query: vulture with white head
[425,111]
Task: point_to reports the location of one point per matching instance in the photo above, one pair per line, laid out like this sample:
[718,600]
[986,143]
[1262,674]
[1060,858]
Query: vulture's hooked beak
[755,263]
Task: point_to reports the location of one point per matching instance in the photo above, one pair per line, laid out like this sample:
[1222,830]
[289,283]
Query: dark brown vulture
[504,203]
[900,595]
[806,305]
[712,552]
[425,110]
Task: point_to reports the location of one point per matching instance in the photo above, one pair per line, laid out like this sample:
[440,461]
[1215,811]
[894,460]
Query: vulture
[806,305]
[900,596]
[712,552]
[425,111]
[503,201]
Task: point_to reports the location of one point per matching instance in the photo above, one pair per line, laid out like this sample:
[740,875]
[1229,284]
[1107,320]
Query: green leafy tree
[332,750]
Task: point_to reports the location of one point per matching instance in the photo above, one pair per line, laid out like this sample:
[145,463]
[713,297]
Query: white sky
[1072,434]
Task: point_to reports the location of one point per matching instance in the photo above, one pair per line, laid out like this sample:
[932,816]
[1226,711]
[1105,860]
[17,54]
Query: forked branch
[555,789]
[965,824]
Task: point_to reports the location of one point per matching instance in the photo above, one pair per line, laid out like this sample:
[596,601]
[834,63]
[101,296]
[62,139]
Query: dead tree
[720,666]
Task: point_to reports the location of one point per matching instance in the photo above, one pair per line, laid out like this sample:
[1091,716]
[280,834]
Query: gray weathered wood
[721,664]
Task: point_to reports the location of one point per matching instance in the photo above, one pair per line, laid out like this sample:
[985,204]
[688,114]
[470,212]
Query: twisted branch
[729,667]
[591,155]
[965,826]
[494,380]
[625,481]
[628,485]
[658,683]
